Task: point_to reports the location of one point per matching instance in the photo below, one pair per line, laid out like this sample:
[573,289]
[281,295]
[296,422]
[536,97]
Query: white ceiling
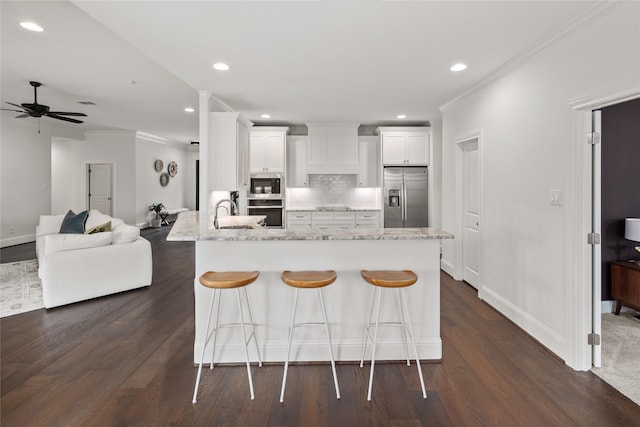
[362,61]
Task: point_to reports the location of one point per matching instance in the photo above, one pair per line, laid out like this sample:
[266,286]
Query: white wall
[25,175]
[525,119]
[148,187]
[68,170]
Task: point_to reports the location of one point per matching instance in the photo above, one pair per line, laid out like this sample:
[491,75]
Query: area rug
[621,354]
[20,289]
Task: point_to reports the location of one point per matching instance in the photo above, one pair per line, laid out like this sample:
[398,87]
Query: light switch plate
[555,197]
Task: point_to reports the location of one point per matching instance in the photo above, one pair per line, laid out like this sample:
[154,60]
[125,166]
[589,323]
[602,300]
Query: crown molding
[554,38]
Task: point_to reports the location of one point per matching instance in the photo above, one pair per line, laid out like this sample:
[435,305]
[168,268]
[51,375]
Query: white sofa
[77,267]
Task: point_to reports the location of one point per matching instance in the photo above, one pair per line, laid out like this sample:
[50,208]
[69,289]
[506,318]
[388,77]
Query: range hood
[333,148]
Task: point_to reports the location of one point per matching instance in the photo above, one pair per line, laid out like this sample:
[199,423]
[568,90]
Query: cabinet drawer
[298,225]
[333,225]
[322,216]
[367,224]
[367,216]
[344,216]
[298,216]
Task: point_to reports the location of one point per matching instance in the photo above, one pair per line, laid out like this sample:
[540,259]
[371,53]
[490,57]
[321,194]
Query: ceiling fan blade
[66,119]
[21,116]
[67,114]
[15,105]
[16,111]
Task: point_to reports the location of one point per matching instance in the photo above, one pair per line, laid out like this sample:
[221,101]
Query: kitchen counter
[270,251]
[186,229]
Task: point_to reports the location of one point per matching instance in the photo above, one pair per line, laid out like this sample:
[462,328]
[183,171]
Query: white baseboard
[447,267]
[607,307]
[18,240]
[524,320]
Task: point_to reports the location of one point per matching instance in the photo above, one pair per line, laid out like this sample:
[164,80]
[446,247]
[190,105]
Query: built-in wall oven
[271,207]
[266,197]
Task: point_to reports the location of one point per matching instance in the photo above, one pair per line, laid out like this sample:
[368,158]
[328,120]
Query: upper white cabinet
[333,148]
[242,138]
[368,159]
[266,149]
[297,161]
[405,146]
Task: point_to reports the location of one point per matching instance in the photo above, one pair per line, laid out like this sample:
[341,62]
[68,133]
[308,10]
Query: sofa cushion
[124,233]
[73,223]
[68,242]
[49,224]
[99,228]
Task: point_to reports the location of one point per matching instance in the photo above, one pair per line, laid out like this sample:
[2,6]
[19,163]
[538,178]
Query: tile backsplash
[333,190]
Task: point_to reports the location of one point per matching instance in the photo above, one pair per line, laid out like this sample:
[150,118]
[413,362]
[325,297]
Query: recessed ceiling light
[132,82]
[458,67]
[189,110]
[401,116]
[31,26]
[265,116]
[220,66]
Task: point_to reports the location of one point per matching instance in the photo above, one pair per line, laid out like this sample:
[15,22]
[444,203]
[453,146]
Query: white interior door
[596,225]
[471,212]
[100,187]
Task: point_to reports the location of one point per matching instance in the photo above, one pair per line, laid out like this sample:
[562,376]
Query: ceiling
[362,61]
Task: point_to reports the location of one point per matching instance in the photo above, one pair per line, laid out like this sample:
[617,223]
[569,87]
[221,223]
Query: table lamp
[632,231]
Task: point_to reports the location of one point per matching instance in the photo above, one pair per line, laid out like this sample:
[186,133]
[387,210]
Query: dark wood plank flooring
[126,360]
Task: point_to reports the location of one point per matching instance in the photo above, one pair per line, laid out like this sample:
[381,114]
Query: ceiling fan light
[31,26]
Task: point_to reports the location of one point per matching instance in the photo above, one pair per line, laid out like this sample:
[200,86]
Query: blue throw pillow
[74,223]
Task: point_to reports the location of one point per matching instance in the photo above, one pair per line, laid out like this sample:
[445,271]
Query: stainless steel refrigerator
[405,193]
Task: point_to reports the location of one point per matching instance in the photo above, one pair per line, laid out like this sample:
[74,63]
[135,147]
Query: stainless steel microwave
[266,185]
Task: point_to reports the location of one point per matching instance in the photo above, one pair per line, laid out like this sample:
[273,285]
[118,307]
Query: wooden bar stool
[228,280]
[393,279]
[308,280]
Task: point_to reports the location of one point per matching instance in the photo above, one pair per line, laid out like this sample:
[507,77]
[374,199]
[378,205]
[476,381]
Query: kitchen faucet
[215,210]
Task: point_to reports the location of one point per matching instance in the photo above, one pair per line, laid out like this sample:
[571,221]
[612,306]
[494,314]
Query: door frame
[579,316]
[461,143]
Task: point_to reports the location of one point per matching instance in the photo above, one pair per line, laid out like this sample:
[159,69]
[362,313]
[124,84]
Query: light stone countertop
[186,229]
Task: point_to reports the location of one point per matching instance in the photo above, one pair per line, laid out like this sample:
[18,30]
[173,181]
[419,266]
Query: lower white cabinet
[307,220]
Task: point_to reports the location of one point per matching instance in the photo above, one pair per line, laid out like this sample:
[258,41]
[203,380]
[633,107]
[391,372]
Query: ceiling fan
[39,110]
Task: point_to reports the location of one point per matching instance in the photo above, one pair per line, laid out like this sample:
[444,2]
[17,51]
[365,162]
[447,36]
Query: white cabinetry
[368,219]
[266,149]
[368,161]
[297,161]
[405,146]
[333,220]
[298,220]
[242,139]
[333,148]
[307,220]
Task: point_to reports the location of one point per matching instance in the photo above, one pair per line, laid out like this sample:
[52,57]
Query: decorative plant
[157,208]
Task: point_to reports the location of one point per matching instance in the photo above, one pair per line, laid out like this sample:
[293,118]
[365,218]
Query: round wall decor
[158,165]
[172,169]
[164,179]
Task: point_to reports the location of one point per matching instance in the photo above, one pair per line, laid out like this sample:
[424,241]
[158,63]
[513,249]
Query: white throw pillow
[123,233]
[96,218]
[49,224]
[68,242]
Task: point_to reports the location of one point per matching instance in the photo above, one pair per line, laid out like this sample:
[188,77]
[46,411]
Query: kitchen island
[271,251]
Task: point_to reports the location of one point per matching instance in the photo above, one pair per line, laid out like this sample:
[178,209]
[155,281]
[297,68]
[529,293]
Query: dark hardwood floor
[126,360]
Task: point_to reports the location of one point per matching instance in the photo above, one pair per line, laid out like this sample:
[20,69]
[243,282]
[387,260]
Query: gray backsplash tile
[333,190]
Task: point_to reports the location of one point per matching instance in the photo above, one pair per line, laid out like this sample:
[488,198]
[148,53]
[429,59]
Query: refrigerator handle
[404,202]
